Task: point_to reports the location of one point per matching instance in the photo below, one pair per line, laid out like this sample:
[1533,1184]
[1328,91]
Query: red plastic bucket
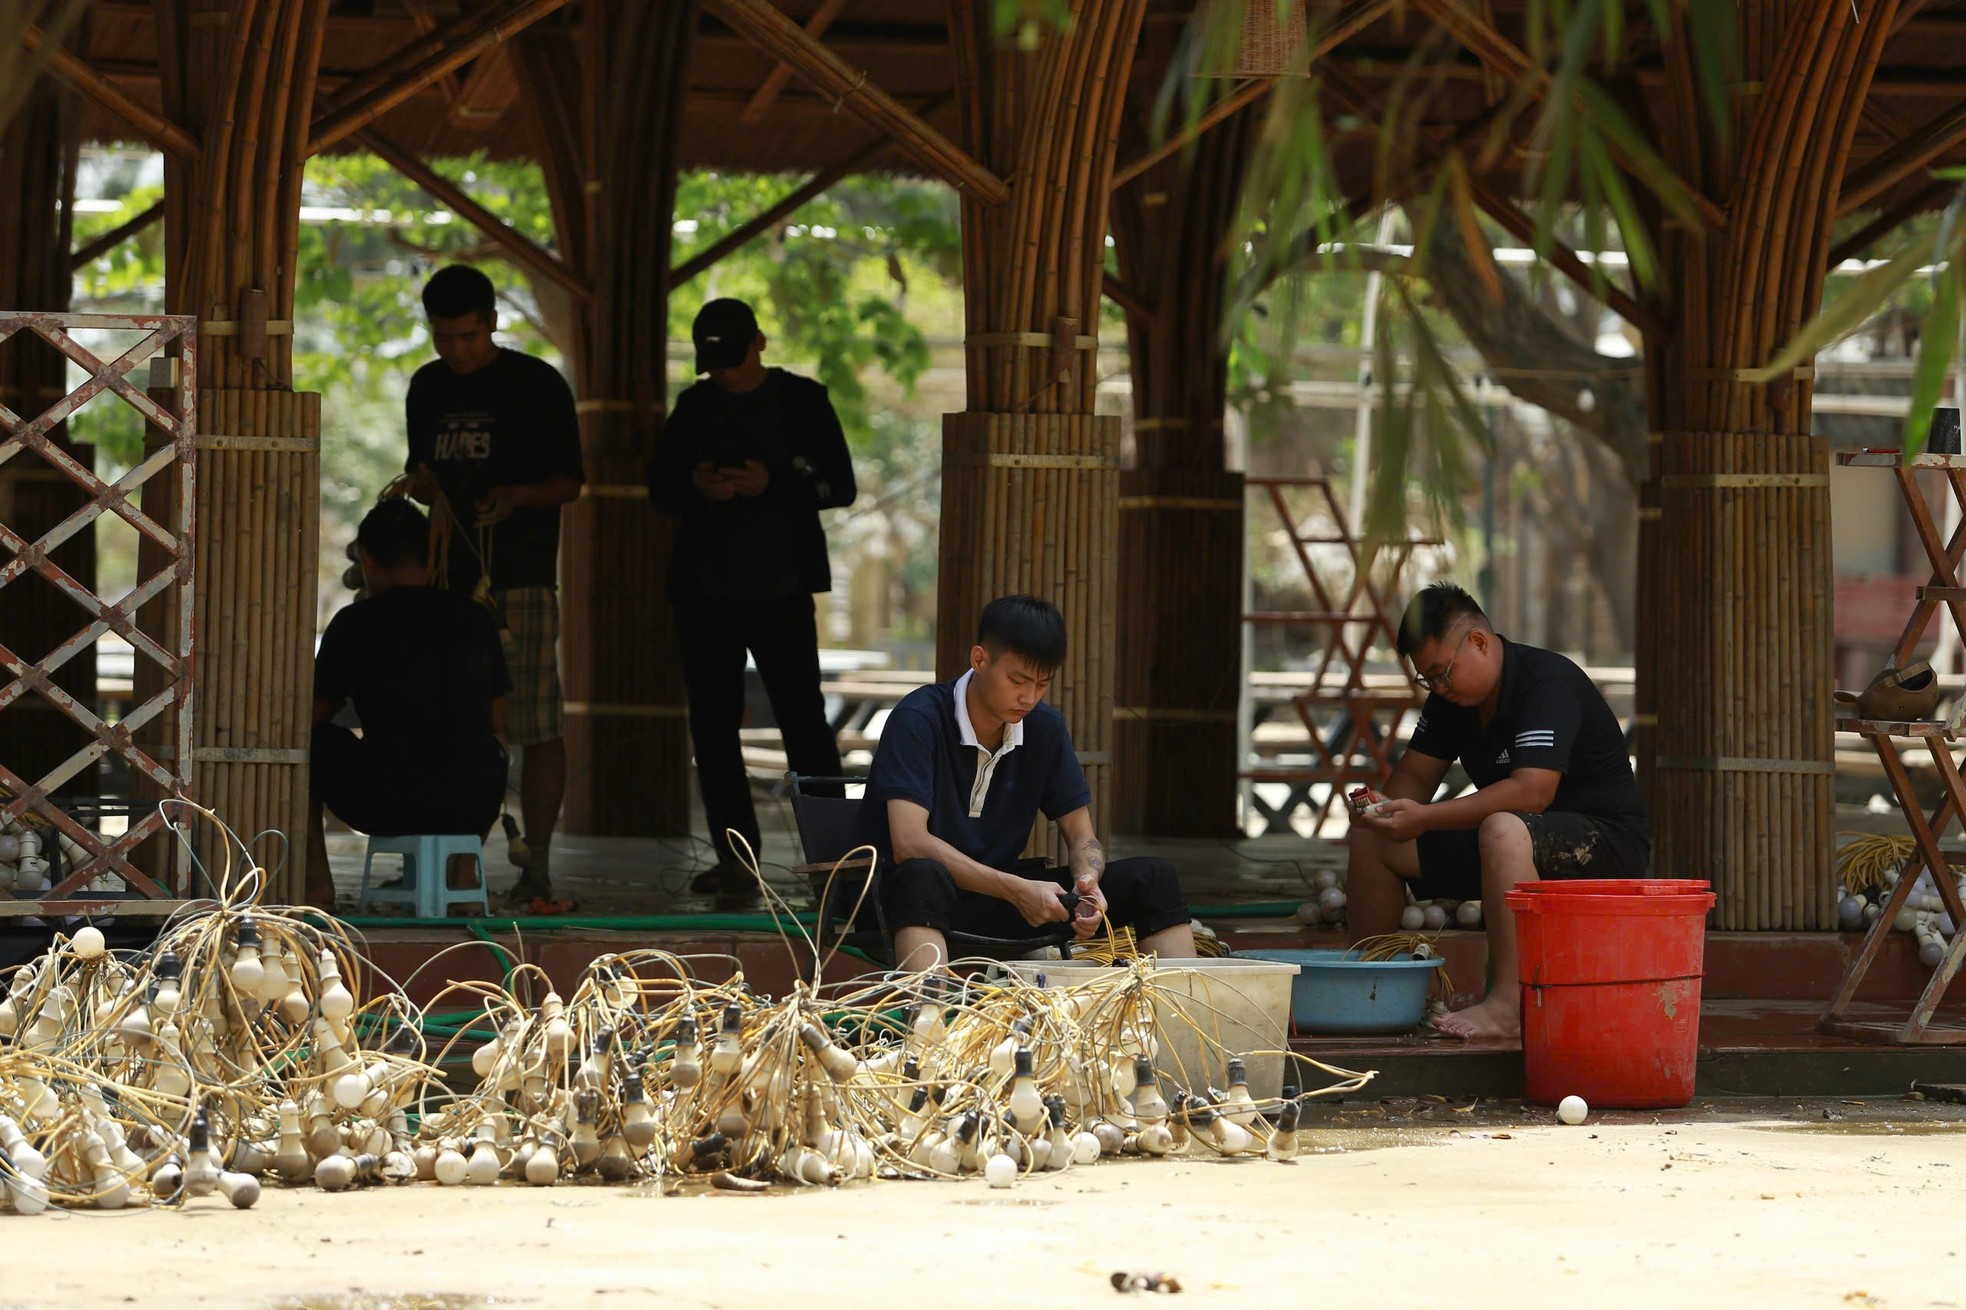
[1610,972]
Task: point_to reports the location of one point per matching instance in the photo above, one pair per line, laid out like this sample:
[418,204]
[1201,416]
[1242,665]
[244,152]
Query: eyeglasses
[1440,680]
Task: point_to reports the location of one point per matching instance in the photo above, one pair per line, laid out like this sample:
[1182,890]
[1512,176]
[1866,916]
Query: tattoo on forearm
[1095,856]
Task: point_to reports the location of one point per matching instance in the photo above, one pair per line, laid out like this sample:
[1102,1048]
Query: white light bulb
[481,1170]
[1572,1110]
[240,1189]
[450,1167]
[334,1174]
[87,943]
[1000,1170]
[1085,1148]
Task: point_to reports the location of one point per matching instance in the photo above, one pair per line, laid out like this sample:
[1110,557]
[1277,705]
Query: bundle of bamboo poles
[1178,663]
[626,729]
[1030,503]
[258,504]
[1746,733]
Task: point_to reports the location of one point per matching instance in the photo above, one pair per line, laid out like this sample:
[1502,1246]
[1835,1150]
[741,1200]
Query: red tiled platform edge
[1768,966]
[1762,997]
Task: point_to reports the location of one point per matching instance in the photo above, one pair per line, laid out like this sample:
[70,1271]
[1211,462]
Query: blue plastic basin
[1336,992]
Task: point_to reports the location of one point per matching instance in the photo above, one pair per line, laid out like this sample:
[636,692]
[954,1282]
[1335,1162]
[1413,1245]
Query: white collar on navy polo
[1013,737]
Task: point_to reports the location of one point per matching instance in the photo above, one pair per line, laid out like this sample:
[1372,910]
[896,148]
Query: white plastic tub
[1242,1004]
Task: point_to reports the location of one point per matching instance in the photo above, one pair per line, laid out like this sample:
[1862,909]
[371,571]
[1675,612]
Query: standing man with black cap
[745,463]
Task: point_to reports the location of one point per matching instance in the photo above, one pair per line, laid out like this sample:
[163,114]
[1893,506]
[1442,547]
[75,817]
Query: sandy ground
[1812,1204]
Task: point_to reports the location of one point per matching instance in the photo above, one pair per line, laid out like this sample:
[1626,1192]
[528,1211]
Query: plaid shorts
[530,630]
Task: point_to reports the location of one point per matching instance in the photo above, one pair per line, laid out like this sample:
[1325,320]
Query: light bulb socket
[911,1069]
[1237,1073]
[168,967]
[247,933]
[918,1100]
[705,1147]
[685,1030]
[201,1131]
[966,1127]
[1023,1062]
[1143,1071]
[733,1018]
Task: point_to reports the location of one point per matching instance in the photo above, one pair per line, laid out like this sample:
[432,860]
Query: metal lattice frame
[19,797]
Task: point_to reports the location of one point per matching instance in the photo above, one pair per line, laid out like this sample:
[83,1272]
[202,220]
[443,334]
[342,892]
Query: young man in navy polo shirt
[962,771]
[1556,797]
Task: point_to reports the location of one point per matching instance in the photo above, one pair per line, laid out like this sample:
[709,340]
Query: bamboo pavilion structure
[1842,111]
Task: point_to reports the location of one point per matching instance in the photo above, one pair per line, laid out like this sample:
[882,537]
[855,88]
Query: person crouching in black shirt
[426,672]
[1555,793]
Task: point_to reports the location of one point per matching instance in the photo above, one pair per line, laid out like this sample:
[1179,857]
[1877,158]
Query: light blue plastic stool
[425,857]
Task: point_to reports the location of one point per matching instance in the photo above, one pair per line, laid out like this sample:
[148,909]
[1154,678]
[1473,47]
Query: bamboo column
[1735,663]
[240,75]
[1030,494]
[613,191]
[37,192]
[1181,511]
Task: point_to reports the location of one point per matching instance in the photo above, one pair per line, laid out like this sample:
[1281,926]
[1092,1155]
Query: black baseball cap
[723,332]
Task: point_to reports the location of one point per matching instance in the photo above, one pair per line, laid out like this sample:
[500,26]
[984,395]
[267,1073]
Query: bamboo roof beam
[453,46]
[1901,160]
[115,237]
[1857,243]
[775,34]
[1358,16]
[1509,216]
[1126,297]
[443,190]
[1246,94]
[1505,57]
[781,72]
[788,204]
[426,25]
[72,72]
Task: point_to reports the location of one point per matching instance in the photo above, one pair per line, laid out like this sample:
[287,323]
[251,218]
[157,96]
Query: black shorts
[1564,845]
[1141,894]
[461,798]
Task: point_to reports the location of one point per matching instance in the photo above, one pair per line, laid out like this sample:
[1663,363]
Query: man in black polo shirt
[961,773]
[1556,797]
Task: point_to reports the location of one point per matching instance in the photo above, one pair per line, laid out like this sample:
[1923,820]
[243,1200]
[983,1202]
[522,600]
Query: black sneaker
[726,882]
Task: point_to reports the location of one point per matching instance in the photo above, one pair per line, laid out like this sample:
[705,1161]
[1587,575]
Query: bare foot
[1495,1018]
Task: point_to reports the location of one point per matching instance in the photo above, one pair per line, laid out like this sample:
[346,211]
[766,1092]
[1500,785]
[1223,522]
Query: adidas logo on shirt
[1503,758]
[1534,738]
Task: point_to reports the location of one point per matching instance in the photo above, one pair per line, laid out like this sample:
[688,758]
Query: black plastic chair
[827,820]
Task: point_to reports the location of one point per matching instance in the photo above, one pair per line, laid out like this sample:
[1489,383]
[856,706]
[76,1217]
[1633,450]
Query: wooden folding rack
[1347,620]
[173,650]
[1944,591]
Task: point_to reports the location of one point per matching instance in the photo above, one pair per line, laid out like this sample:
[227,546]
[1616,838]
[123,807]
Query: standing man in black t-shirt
[494,432]
[746,461]
[1556,797]
[426,672]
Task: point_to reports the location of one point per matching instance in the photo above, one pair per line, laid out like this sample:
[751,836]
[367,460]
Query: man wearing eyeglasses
[1555,796]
